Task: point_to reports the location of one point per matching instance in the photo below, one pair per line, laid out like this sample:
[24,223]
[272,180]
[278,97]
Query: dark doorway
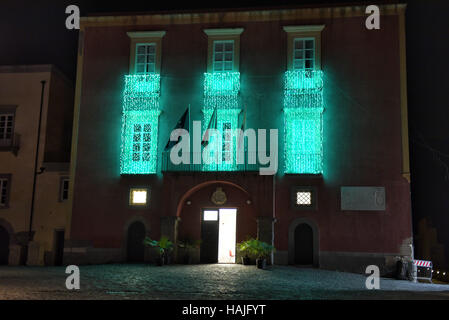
[59,247]
[4,246]
[209,236]
[304,244]
[135,246]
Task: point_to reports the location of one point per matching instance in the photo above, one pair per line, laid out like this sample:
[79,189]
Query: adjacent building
[334,90]
[33,233]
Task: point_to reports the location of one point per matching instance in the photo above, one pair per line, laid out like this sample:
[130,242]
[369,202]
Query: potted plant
[244,248]
[262,251]
[165,247]
[188,244]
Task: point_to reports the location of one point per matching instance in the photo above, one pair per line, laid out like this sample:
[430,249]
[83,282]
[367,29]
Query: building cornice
[145,34]
[238,16]
[223,32]
[311,28]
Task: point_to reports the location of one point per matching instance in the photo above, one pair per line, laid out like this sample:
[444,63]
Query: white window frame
[146,55]
[303,50]
[4,141]
[224,42]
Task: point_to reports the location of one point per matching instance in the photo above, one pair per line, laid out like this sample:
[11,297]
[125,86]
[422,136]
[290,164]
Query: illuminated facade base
[303,124]
[140,120]
[221,92]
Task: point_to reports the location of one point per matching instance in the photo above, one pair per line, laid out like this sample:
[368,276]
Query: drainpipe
[35,173]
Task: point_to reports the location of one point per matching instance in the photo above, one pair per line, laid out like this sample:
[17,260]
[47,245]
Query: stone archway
[306,231]
[196,200]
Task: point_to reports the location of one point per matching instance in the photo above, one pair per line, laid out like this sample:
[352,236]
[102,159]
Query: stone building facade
[33,234]
[334,90]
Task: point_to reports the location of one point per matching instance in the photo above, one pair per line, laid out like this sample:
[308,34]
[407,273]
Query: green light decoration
[140,119]
[303,129]
[222,83]
[221,91]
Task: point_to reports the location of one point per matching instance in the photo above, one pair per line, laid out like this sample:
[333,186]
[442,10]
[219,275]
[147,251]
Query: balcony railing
[221,83]
[168,166]
[11,145]
[304,81]
[303,89]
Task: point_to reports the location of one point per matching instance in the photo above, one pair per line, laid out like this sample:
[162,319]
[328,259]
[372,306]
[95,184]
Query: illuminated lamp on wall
[138,196]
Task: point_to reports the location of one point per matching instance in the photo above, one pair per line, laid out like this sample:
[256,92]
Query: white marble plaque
[363,198]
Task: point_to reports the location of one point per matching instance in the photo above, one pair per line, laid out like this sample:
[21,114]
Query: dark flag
[242,128]
[183,123]
[212,125]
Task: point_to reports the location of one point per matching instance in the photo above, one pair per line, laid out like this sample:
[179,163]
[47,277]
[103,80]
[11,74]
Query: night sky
[33,32]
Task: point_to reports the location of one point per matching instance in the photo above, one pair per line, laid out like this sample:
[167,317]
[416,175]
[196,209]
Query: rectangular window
[4,191]
[142,142]
[226,142]
[304,198]
[64,191]
[138,196]
[139,141]
[304,54]
[145,58]
[223,56]
[6,128]
[210,215]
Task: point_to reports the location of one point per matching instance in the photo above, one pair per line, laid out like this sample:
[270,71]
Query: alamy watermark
[212,153]
[73,280]
[373,280]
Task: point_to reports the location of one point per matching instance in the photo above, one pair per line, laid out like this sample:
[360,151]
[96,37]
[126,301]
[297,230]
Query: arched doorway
[303,244]
[217,214]
[134,244]
[4,246]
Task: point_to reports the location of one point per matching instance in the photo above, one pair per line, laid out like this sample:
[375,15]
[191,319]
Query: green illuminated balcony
[303,132]
[143,84]
[140,124]
[222,83]
[303,81]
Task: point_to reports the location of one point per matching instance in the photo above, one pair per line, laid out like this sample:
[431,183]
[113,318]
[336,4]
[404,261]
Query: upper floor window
[64,189]
[304,47]
[6,128]
[145,58]
[223,55]
[223,49]
[5,181]
[304,54]
[145,52]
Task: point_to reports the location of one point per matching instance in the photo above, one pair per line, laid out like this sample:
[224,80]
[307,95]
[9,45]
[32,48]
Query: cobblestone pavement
[212,281]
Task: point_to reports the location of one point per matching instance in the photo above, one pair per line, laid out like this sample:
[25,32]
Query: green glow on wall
[140,120]
[303,129]
[221,91]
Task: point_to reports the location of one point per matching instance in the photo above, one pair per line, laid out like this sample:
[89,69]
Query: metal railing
[195,166]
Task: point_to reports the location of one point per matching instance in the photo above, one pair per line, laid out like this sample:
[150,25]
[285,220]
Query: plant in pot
[165,247]
[245,248]
[188,245]
[262,251]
